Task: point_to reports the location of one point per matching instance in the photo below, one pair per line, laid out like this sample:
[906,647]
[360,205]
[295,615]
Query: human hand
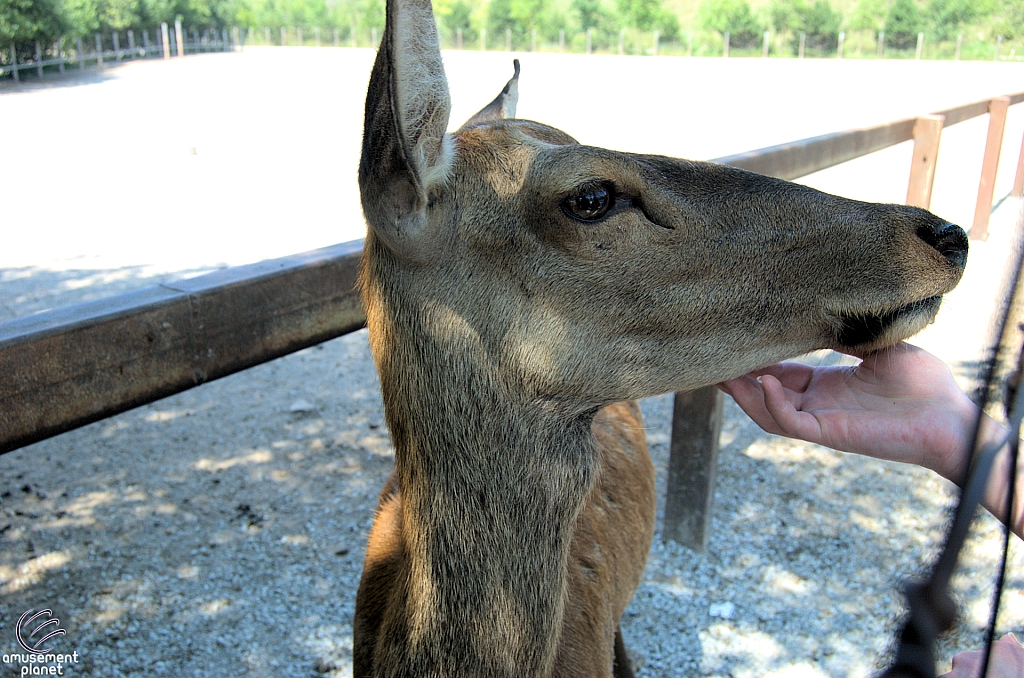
[1007,661]
[900,404]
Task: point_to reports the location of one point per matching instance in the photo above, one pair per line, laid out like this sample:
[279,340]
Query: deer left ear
[405,149]
[503,106]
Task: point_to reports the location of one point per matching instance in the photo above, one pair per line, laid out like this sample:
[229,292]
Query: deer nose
[949,239]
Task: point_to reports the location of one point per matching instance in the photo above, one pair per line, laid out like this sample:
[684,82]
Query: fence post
[725,48]
[337,38]
[316,35]
[881,43]
[39,60]
[166,40]
[117,48]
[131,42]
[803,43]
[483,39]
[959,41]
[266,36]
[920,44]
[657,39]
[764,48]
[1018,180]
[622,41]
[842,39]
[927,130]
[533,39]
[508,39]
[374,38]
[458,38]
[224,44]
[689,48]
[238,43]
[179,37]
[200,45]
[99,50]
[999,45]
[298,36]
[60,54]
[986,189]
[14,64]
[561,40]
[588,41]
[692,467]
[81,55]
[284,37]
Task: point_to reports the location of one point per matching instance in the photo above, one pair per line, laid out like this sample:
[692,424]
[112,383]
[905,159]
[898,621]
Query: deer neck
[491,482]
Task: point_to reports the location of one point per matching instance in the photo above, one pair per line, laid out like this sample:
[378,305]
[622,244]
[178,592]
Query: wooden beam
[66,368]
[692,467]
[989,167]
[927,131]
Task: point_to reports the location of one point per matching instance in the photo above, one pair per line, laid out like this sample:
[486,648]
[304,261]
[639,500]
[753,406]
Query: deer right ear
[405,148]
[503,106]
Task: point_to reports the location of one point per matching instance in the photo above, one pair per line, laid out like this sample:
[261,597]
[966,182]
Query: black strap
[931,610]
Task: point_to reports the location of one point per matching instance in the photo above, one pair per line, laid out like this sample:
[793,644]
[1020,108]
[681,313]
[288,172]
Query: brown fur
[515,528]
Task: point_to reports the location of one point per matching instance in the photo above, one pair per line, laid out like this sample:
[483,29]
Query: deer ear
[503,106]
[405,149]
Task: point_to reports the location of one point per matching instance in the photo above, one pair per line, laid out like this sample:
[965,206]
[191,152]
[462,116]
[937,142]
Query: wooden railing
[68,367]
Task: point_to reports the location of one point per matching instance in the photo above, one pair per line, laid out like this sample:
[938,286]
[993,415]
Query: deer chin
[863,333]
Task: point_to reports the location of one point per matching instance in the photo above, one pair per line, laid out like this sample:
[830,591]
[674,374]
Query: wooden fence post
[589,44]
[764,46]
[842,39]
[622,41]
[39,60]
[692,467]
[179,36]
[561,40]
[131,42]
[803,43]
[920,45]
[959,41]
[284,37]
[881,43]
[986,189]
[117,48]
[316,34]
[927,130]
[60,54]
[14,64]
[298,36]
[167,41]
[81,54]
[483,39]
[508,39]
[99,50]
[1018,180]
[458,38]
[657,39]
[725,47]
[533,39]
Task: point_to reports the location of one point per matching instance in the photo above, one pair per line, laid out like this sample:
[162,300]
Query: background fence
[65,54]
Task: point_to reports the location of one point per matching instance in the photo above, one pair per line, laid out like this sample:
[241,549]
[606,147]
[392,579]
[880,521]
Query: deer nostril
[949,239]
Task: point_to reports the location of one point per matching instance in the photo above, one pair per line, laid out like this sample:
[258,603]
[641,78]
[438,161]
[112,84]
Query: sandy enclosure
[221,531]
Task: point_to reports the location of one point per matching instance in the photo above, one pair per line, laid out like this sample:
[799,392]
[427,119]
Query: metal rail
[68,367]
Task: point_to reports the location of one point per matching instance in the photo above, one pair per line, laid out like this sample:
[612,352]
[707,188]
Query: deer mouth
[862,329]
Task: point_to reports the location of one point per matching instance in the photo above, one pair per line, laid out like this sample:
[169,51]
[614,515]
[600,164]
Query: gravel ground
[221,532]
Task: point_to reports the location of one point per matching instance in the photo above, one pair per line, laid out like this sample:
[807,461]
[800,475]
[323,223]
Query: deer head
[584,275]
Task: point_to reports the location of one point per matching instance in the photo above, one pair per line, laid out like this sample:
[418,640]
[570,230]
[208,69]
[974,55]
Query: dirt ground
[221,531]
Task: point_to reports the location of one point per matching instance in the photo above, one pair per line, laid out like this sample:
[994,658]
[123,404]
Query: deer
[522,291]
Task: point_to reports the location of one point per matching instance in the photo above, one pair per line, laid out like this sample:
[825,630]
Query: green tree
[22,22]
[869,15]
[821,24]
[590,14]
[732,16]
[902,24]
[946,17]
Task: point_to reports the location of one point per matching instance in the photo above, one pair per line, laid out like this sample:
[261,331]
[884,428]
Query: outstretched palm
[900,404]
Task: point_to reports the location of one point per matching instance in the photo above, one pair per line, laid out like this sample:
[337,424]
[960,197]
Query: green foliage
[902,24]
[732,16]
[22,22]
[947,17]
[869,15]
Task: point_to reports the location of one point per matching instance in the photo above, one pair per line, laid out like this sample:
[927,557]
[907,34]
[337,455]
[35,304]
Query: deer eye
[590,204]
